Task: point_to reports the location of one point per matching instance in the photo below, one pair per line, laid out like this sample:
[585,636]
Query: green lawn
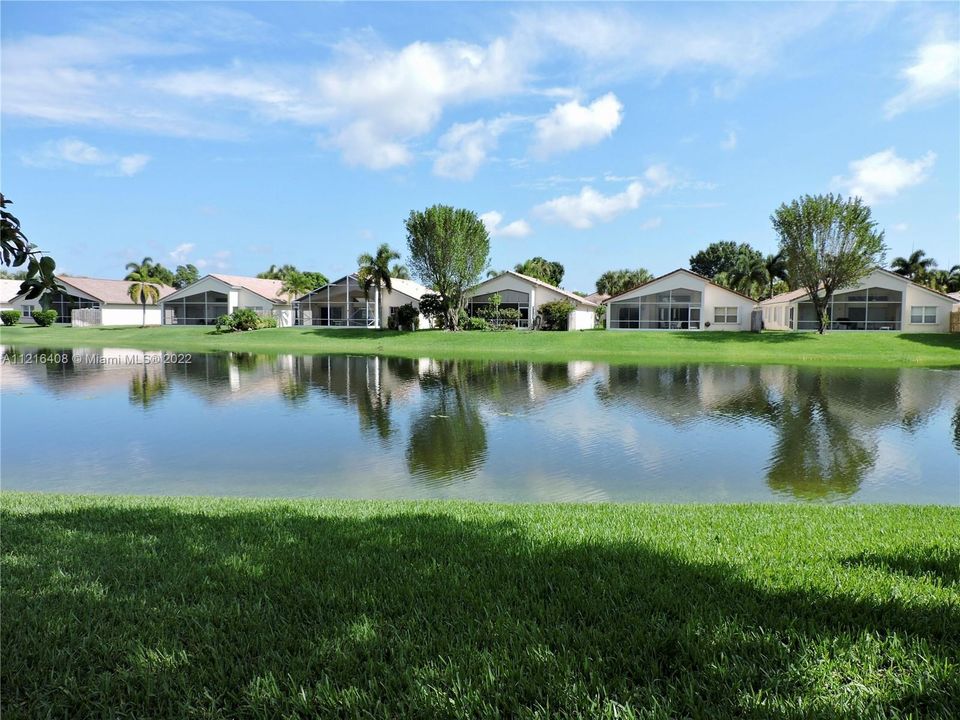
[201,608]
[836,349]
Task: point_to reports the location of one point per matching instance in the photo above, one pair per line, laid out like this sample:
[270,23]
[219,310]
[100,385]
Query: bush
[10,317]
[408,317]
[44,318]
[462,318]
[555,314]
[243,319]
[475,323]
[433,307]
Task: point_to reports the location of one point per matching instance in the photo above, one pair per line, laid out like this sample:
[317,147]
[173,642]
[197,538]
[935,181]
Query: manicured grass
[201,608]
[834,349]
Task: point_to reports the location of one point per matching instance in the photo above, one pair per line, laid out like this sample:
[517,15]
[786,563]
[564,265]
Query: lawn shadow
[153,612]
[745,338]
[938,340]
[933,563]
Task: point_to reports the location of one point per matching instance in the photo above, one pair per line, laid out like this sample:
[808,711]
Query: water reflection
[513,430]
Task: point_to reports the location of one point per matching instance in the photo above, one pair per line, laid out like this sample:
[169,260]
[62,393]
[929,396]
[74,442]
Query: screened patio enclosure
[479,306]
[202,308]
[65,304]
[339,304]
[867,309]
[678,309]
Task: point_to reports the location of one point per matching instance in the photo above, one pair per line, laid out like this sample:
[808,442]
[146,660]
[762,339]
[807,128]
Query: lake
[119,421]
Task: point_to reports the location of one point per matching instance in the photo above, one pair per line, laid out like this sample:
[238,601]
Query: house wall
[917,296]
[396,299]
[115,314]
[539,295]
[237,298]
[712,297]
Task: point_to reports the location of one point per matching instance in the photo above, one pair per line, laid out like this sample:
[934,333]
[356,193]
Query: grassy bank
[173,608]
[837,349]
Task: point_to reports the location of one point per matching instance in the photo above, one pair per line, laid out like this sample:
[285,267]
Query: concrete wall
[128,314]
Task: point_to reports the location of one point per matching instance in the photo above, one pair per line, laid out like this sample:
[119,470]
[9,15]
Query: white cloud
[730,141]
[883,175]
[901,227]
[934,75]
[589,207]
[219,261]
[180,252]
[71,151]
[516,229]
[651,224]
[571,125]
[465,146]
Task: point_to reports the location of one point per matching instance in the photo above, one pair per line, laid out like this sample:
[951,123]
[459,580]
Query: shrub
[10,317]
[600,316]
[44,318]
[475,323]
[556,313]
[433,306]
[243,319]
[408,317]
[391,323]
[462,318]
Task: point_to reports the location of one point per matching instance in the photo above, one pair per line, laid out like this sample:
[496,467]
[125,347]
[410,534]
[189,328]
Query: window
[393,311]
[923,315]
[725,315]
[27,310]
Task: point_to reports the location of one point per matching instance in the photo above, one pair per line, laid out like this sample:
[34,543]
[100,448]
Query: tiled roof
[113,292]
[270,289]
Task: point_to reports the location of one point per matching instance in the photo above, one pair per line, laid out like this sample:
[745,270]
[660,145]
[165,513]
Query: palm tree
[494,273]
[914,267]
[953,279]
[143,285]
[295,285]
[399,271]
[938,280]
[748,272]
[776,267]
[375,269]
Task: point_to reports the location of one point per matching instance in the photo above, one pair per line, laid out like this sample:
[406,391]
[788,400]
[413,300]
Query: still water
[117,421]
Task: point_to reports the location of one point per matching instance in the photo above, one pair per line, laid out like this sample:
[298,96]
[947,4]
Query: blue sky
[238,135]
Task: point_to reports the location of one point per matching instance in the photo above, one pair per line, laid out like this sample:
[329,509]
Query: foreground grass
[832,349]
[177,608]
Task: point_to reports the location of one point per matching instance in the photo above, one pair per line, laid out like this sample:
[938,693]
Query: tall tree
[185,275]
[614,282]
[297,284]
[399,271]
[318,279]
[15,250]
[449,250]
[776,267]
[915,267]
[748,274]
[829,244]
[720,257]
[375,269]
[144,287]
[550,272]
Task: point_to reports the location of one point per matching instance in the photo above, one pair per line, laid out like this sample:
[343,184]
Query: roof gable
[684,271]
[538,282]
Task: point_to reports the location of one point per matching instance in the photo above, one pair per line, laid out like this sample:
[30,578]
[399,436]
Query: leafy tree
[39,281]
[18,275]
[953,279]
[143,285]
[316,279]
[720,257]
[542,269]
[776,267]
[614,282]
[185,275]
[748,274]
[297,284]
[434,307]
[915,267]
[829,244]
[163,275]
[399,271]
[449,250]
[375,269]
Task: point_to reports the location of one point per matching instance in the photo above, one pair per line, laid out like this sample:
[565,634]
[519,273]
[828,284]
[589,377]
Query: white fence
[85,317]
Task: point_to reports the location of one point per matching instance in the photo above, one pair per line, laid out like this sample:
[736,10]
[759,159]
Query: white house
[527,294]
[9,289]
[883,300]
[110,297]
[343,304]
[202,302]
[679,300]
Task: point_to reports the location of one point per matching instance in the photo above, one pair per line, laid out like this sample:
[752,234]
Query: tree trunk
[144,323]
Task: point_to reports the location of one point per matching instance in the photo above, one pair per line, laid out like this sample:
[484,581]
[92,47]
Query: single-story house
[110,297]
[883,300]
[213,295]
[527,294]
[343,304]
[9,289]
[679,300]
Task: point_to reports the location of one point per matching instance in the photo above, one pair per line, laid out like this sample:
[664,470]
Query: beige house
[109,299]
[343,304]
[680,300]
[883,300]
[213,295]
[527,294]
